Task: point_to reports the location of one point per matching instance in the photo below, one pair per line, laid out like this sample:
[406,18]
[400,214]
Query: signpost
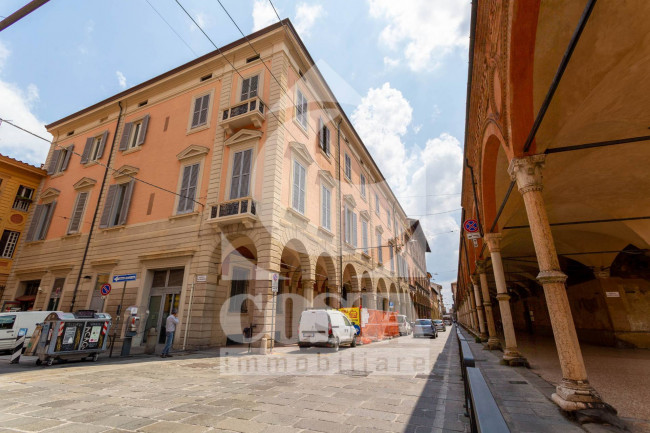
[119,279]
[471,227]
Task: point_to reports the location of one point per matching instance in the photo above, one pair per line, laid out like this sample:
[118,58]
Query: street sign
[475,242]
[22,332]
[471,225]
[390,304]
[125,277]
[275,279]
[105,289]
[473,235]
[201,278]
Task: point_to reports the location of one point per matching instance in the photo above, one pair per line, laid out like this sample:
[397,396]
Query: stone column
[575,392]
[472,307]
[511,355]
[308,293]
[493,340]
[479,309]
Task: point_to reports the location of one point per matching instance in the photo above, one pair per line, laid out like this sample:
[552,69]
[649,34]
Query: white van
[329,328]
[10,324]
[404,325]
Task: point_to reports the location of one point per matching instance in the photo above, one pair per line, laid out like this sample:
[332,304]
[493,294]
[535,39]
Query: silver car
[440,325]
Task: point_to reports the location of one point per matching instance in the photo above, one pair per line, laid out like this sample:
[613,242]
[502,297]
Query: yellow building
[18,184]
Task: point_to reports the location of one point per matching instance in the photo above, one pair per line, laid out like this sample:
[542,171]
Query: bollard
[152,338]
[18,346]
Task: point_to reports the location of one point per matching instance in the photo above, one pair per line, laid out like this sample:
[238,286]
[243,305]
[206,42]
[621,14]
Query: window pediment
[350,200]
[243,135]
[327,177]
[84,182]
[126,172]
[50,194]
[365,215]
[301,150]
[380,229]
[192,151]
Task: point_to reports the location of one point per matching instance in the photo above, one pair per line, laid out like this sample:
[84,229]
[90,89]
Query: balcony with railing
[242,210]
[22,204]
[244,113]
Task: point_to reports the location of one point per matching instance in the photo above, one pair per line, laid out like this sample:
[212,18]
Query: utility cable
[172,28]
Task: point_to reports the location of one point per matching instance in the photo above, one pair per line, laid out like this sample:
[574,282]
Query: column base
[263,346]
[572,395]
[493,344]
[483,337]
[514,359]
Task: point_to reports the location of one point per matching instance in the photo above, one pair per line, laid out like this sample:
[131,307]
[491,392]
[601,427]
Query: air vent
[143,103]
[206,77]
[252,59]
[70,133]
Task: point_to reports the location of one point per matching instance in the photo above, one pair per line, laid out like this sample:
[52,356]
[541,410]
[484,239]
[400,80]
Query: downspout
[99,199]
[338,178]
[478,211]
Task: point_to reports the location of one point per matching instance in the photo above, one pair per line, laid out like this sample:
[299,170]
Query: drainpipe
[99,198]
[338,178]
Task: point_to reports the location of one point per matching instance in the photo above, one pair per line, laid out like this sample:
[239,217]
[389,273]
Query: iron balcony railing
[22,204]
[241,206]
[243,113]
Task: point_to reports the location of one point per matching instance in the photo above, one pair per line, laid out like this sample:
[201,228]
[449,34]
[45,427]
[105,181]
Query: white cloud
[306,16]
[16,105]
[417,128]
[390,62]
[263,14]
[424,30]
[424,179]
[121,79]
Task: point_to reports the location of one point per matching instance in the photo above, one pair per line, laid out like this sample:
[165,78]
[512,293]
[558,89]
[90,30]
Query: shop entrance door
[165,295]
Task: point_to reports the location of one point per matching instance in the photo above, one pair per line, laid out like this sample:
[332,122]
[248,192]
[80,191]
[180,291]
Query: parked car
[404,325]
[424,328]
[447,322]
[11,323]
[440,325]
[325,328]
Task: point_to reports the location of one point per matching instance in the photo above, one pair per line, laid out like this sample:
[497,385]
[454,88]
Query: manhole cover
[356,373]
[518,382]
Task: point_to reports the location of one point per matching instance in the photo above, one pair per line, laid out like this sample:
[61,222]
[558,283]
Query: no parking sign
[105,289]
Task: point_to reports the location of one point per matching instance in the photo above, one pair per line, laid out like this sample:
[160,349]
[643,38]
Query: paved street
[399,385]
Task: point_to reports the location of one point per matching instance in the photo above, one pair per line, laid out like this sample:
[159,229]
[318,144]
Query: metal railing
[251,105]
[22,204]
[239,206]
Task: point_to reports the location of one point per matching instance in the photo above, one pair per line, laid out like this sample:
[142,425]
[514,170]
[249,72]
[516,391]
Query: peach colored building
[225,171]
[18,188]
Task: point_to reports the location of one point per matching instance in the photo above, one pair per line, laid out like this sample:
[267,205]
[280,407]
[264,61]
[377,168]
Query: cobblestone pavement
[401,385]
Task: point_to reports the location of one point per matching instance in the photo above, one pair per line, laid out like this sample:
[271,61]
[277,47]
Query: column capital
[551,277]
[503,297]
[474,279]
[493,241]
[481,266]
[527,171]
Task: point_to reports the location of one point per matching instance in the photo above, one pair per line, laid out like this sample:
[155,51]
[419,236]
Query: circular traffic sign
[105,289]
[471,226]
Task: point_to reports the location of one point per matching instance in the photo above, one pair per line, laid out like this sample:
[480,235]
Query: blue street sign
[390,304]
[105,289]
[125,277]
[22,332]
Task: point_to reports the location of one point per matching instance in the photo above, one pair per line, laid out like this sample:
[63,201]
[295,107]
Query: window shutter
[46,221]
[53,161]
[321,138]
[204,110]
[87,148]
[77,213]
[236,175]
[35,220]
[302,188]
[253,89]
[68,154]
[102,144]
[245,85]
[191,190]
[354,229]
[197,112]
[125,204]
[185,186]
[106,213]
[304,110]
[327,140]
[245,173]
[143,130]
[296,186]
[124,141]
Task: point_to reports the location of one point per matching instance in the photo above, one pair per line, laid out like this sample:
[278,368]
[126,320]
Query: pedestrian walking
[170,328]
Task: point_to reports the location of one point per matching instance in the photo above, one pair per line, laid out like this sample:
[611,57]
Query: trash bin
[73,336]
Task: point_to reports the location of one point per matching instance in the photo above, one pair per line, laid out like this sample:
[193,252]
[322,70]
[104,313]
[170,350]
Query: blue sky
[399,70]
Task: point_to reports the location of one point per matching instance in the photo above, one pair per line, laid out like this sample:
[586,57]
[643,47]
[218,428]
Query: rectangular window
[78,212]
[301,109]
[188,188]
[380,254]
[241,174]
[40,221]
[8,243]
[55,294]
[134,133]
[117,205]
[23,198]
[94,148]
[377,203]
[350,227]
[249,88]
[388,219]
[364,235]
[363,186]
[390,257]
[323,136]
[60,159]
[238,290]
[348,167]
[200,115]
[326,208]
[298,187]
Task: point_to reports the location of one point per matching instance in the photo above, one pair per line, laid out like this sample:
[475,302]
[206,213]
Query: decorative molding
[50,194]
[493,241]
[349,199]
[301,150]
[327,177]
[191,151]
[104,262]
[548,277]
[61,267]
[527,171]
[187,252]
[84,183]
[365,215]
[124,172]
[243,135]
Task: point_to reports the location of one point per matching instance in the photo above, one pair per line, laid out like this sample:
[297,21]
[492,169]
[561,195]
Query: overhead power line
[172,28]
